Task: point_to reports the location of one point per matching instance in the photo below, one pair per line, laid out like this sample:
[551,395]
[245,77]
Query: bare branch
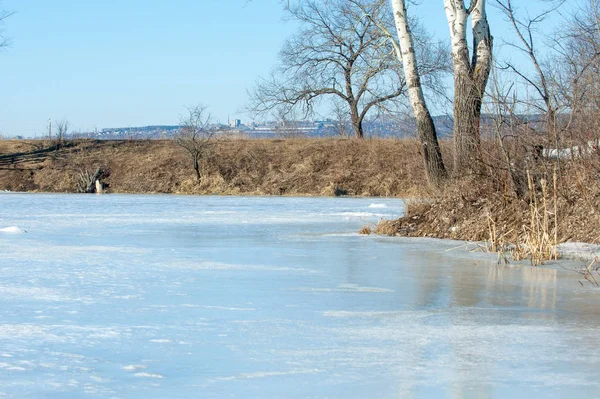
[342,51]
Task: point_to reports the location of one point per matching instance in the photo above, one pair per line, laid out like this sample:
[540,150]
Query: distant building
[235,123]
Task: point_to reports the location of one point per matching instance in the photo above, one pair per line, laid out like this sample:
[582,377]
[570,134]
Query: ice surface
[167,296]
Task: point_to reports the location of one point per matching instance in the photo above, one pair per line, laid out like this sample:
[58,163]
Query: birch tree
[471,75]
[405,51]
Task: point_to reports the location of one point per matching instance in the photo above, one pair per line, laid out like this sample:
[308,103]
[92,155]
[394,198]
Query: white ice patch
[229,308]
[359,214]
[27,331]
[134,367]
[378,206]
[33,293]
[216,266]
[11,367]
[149,375]
[579,250]
[343,288]
[12,230]
[340,235]
[250,376]
[350,314]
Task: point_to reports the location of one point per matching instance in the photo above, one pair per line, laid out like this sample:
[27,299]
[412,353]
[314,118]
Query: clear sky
[118,63]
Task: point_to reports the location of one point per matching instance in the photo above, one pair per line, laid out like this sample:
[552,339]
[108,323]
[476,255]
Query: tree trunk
[357,125]
[470,79]
[467,112]
[432,156]
[197,167]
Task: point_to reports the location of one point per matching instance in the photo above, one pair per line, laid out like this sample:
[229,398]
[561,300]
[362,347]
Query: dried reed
[540,238]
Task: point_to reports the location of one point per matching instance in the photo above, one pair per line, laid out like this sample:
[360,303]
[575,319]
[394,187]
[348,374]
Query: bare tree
[471,74]
[541,80]
[576,70]
[338,52]
[405,51]
[61,128]
[195,134]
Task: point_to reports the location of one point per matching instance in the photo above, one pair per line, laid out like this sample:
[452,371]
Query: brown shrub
[506,209]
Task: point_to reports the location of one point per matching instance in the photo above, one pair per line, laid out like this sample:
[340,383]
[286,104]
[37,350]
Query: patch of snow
[378,206]
[149,375]
[12,230]
[134,367]
[572,152]
[579,250]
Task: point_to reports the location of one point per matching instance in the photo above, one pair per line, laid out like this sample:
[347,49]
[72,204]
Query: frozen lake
[179,297]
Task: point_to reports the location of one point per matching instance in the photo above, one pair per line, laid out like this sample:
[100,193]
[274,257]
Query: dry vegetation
[257,167]
[556,201]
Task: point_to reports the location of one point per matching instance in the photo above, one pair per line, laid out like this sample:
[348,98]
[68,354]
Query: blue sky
[109,63]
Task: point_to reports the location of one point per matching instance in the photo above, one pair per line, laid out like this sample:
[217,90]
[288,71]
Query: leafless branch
[340,52]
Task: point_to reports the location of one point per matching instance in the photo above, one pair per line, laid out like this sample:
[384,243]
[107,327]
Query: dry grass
[325,167]
[559,201]
[540,238]
[365,230]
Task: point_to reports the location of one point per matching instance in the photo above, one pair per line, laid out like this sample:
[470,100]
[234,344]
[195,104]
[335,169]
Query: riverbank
[294,167]
[482,208]
[560,203]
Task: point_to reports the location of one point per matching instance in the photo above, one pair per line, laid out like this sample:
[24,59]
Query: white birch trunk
[457,16]
[470,78]
[436,172]
[408,59]
[482,46]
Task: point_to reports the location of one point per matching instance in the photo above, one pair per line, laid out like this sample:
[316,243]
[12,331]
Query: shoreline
[569,252]
[469,209]
[290,167]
